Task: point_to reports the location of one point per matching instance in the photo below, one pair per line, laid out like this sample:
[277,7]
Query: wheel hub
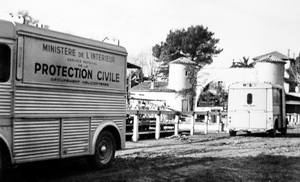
[103,149]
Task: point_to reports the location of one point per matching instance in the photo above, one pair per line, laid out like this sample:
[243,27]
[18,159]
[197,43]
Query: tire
[1,166]
[283,131]
[272,133]
[232,133]
[105,149]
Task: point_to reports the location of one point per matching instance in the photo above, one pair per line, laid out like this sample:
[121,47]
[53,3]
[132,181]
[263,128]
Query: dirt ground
[212,157]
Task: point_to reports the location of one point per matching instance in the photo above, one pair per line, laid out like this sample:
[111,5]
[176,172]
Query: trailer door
[248,108]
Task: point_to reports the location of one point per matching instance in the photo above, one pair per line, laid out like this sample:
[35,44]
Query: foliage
[196,43]
[244,63]
[294,72]
[214,94]
[27,19]
[186,92]
[136,77]
[146,62]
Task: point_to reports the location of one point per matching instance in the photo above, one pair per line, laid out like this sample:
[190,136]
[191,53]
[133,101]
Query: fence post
[157,126]
[288,117]
[293,118]
[135,136]
[206,123]
[225,122]
[192,124]
[176,125]
[218,122]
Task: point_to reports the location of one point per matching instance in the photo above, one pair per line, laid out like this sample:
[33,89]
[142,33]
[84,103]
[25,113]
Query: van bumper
[249,129]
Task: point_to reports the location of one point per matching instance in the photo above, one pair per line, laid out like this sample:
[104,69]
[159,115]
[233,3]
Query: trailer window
[249,98]
[4,63]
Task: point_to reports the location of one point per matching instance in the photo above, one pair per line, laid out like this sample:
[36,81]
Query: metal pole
[192,124]
[135,136]
[157,127]
[206,123]
[176,129]
[218,122]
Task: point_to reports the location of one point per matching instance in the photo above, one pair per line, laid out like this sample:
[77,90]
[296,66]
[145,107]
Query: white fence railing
[293,118]
[219,123]
[175,121]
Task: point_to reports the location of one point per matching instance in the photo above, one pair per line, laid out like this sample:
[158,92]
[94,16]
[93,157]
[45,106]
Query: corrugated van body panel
[36,139]
[76,136]
[120,123]
[5,99]
[45,101]
[97,121]
[57,123]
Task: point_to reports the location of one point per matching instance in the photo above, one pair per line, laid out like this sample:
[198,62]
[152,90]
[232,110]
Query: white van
[60,96]
[256,107]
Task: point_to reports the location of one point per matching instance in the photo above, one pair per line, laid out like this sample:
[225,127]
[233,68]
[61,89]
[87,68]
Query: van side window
[276,97]
[249,98]
[4,63]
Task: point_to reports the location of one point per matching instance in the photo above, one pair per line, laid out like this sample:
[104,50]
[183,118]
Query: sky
[247,28]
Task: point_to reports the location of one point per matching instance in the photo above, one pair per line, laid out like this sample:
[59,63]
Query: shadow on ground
[265,134]
[164,168]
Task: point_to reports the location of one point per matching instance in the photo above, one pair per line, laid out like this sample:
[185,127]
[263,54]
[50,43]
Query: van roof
[11,30]
[253,85]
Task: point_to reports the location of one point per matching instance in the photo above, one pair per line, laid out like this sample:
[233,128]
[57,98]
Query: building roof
[274,56]
[130,65]
[292,98]
[270,58]
[183,60]
[146,87]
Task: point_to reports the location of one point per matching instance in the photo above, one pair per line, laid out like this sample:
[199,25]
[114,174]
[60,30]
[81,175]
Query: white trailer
[60,96]
[256,107]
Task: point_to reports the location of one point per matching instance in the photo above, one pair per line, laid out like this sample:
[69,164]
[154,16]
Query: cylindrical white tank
[178,74]
[271,71]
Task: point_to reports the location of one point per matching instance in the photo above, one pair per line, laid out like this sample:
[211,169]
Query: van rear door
[248,108]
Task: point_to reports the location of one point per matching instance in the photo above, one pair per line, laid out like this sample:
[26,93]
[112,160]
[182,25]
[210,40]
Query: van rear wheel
[283,131]
[1,165]
[272,132]
[105,149]
[232,133]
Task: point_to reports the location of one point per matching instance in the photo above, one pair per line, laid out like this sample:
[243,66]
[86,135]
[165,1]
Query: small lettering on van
[59,50]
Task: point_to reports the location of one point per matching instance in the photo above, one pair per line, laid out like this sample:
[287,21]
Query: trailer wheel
[232,133]
[104,150]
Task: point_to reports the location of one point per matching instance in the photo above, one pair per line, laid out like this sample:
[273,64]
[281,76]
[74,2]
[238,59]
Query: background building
[212,84]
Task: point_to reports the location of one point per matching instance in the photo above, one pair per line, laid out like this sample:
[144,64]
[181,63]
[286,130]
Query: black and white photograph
[149,90]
